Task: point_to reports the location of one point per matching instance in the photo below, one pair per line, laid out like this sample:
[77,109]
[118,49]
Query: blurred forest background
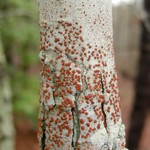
[19,68]
[19,40]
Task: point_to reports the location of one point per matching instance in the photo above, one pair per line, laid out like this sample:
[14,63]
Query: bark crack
[103,88]
[104,115]
[53,91]
[43,138]
[76,123]
[72,143]
[102,106]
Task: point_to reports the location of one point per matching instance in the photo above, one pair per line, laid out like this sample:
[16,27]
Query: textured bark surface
[6,121]
[79,102]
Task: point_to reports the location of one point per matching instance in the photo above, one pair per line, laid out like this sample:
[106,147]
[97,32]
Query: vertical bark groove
[43,126]
[104,115]
[76,126]
[102,106]
[43,140]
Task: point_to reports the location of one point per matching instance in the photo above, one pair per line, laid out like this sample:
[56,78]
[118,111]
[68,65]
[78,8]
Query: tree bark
[6,121]
[79,96]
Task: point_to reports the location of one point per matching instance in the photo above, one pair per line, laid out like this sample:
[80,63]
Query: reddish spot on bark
[52,120]
[108,109]
[45,91]
[78,87]
[68,64]
[95,121]
[88,96]
[82,127]
[90,119]
[98,100]
[87,124]
[70,91]
[81,121]
[55,94]
[108,91]
[90,129]
[98,126]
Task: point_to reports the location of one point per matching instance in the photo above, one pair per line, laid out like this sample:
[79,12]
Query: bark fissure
[102,106]
[76,123]
[43,138]
[54,92]
[103,89]
[85,83]
[73,134]
[104,115]
[54,100]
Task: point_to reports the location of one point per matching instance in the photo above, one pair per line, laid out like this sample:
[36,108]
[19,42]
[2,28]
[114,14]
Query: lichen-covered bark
[6,121]
[79,103]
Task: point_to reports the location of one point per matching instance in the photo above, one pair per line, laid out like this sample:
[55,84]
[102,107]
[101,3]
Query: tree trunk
[79,97]
[6,121]
[142,98]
